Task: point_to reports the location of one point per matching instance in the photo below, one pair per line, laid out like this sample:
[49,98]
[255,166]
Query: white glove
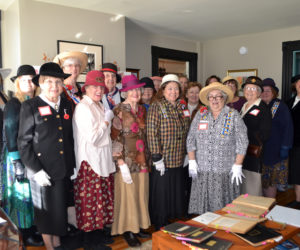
[193,168]
[160,166]
[237,174]
[42,178]
[125,173]
[73,177]
[108,115]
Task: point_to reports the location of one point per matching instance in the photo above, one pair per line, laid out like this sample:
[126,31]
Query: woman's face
[251,92]
[213,80]
[147,95]
[267,95]
[52,87]
[134,95]
[232,86]
[193,95]
[171,92]
[216,100]
[26,85]
[297,86]
[110,79]
[94,92]
[184,82]
[72,66]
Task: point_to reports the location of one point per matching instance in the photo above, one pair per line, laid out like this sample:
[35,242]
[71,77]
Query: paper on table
[285,215]
[2,220]
[206,218]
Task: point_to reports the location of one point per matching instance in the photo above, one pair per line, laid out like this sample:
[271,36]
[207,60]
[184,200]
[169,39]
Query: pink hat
[156,78]
[130,82]
[94,77]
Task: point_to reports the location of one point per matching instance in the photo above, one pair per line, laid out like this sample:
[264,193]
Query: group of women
[152,151]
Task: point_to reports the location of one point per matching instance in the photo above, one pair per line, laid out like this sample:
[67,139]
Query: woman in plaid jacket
[167,127]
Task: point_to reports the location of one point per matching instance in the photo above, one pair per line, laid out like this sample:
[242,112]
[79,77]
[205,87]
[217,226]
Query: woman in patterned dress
[132,177]
[93,187]
[216,145]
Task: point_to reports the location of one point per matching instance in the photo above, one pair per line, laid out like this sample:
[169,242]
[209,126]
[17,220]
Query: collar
[113,93]
[52,104]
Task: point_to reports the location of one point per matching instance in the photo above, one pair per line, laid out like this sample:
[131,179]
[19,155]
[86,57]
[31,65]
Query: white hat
[169,78]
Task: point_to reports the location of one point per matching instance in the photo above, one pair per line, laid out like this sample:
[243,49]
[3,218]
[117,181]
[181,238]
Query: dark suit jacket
[46,141]
[257,126]
[296,120]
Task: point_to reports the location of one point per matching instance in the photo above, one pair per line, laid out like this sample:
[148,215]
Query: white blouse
[92,137]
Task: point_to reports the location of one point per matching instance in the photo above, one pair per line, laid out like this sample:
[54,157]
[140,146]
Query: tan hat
[215,86]
[82,57]
[169,78]
[228,78]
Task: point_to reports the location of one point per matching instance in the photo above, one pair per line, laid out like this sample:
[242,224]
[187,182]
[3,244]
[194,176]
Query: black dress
[46,142]
[294,168]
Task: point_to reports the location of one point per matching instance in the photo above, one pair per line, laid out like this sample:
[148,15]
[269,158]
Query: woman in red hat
[132,178]
[94,186]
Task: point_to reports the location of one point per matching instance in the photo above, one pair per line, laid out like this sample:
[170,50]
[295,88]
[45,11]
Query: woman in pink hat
[132,178]
[94,185]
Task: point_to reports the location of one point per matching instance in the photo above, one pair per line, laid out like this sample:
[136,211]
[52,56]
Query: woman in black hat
[294,169]
[46,147]
[17,201]
[148,92]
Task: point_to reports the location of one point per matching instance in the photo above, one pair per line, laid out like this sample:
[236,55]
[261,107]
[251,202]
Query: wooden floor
[283,198]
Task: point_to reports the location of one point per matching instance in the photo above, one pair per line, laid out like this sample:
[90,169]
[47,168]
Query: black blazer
[45,141]
[296,120]
[257,126]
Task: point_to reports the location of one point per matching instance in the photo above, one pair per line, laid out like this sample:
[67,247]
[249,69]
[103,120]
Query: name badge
[254,112]
[186,113]
[203,126]
[45,110]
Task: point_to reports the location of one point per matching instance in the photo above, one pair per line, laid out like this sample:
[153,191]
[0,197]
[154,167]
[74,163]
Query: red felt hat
[130,82]
[94,77]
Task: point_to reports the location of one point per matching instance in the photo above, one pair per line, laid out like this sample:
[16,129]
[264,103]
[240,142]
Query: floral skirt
[94,199]
[16,200]
[275,175]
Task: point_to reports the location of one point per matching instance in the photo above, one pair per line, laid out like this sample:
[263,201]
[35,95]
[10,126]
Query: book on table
[285,215]
[257,202]
[288,244]
[197,236]
[180,228]
[260,235]
[213,243]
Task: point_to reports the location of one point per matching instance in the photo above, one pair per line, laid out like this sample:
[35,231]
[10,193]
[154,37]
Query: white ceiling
[196,19]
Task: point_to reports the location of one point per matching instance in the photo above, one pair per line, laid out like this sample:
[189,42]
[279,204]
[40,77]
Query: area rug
[147,245]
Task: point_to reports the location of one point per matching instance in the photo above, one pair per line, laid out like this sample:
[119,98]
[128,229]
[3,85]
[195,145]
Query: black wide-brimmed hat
[148,81]
[110,67]
[24,70]
[270,82]
[50,69]
[254,80]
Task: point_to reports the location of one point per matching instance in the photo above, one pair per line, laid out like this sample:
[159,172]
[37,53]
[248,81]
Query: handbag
[255,150]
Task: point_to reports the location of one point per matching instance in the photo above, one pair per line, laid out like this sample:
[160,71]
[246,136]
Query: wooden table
[161,240]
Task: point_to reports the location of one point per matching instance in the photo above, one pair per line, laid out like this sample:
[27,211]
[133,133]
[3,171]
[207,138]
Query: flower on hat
[140,146]
[253,80]
[134,127]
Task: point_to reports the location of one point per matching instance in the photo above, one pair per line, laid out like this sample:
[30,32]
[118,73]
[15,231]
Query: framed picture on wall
[242,74]
[134,72]
[93,51]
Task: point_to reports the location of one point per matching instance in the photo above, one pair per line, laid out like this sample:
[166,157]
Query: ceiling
[196,19]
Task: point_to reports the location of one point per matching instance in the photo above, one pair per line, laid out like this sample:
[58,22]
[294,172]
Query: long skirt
[94,197]
[50,207]
[274,175]
[168,200]
[131,204]
[16,200]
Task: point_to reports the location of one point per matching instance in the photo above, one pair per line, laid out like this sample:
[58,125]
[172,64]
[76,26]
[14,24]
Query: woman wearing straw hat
[17,201]
[167,126]
[94,185]
[132,177]
[216,145]
[73,63]
[46,148]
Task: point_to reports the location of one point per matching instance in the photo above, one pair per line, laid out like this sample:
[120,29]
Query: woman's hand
[193,168]
[160,166]
[42,178]
[125,173]
[237,174]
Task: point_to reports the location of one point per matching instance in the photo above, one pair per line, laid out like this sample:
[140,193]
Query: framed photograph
[242,74]
[134,72]
[93,51]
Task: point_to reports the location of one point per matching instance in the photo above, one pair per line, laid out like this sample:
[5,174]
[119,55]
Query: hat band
[110,70]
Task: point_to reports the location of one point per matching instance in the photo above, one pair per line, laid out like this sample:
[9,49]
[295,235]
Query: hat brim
[133,87]
[215,86]
[95,84]
[81,56]
[36,78]
[13,78]
[273,87]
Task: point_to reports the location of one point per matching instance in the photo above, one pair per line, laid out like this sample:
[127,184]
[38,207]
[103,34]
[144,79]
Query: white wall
[264,53]
[42,24]
[138,47]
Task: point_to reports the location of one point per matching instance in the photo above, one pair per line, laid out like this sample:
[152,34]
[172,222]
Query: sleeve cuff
[14,155]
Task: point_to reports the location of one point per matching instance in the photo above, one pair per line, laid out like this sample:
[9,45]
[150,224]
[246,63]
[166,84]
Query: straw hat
[82,57]
[215,86]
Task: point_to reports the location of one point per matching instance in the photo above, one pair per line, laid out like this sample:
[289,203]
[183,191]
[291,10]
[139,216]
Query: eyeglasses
[251,88]
[218,97]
